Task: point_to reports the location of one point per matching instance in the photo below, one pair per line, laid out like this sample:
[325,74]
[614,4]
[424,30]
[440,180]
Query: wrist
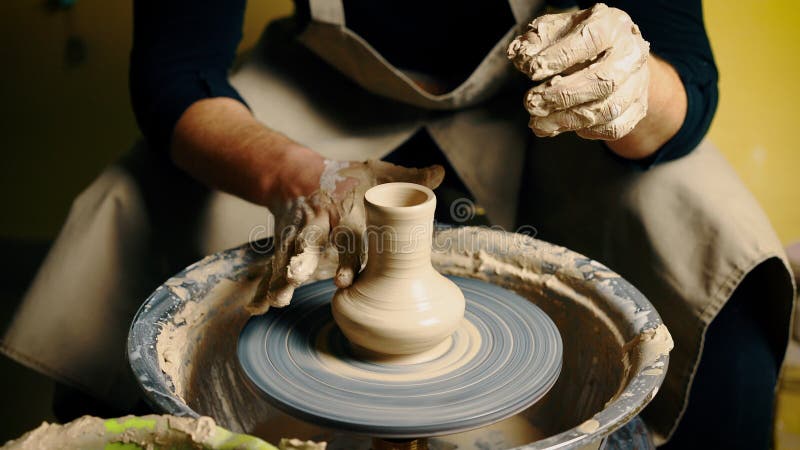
[297,174]
[666,110]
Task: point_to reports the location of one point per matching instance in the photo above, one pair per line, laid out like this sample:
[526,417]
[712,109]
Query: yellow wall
[61,125]
[757,47]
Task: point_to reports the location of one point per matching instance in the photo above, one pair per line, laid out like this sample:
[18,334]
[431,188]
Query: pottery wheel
[503,358]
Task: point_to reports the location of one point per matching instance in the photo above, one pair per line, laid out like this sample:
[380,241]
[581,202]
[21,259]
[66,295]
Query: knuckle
[542,124]
[536,130]
[535,104]
[615,132]
[607,131]
[514,47]
[581,117]
[587,134]
[582,121]
[605,85]
[610,110]
[620,17]
[599,8]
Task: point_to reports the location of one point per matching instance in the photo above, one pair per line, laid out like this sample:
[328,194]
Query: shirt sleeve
[677,34]
[182,52]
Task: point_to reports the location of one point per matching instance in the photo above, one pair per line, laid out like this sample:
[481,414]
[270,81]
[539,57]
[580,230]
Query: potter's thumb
[349,261]
[349,242]
[279,297]
[431,176]
[344,276]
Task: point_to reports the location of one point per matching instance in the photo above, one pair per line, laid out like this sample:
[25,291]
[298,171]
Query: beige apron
[686,233]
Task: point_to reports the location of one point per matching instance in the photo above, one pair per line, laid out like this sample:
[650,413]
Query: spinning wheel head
[505,356]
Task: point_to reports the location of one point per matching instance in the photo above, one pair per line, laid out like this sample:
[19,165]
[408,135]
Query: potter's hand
[333,215]
[597,59]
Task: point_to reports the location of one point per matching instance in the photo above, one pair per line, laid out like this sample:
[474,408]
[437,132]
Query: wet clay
[399,304]
[93,432]
[197,346]
[297,444]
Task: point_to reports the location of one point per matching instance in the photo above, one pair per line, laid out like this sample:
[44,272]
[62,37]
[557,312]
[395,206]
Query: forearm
[666,110]
[220,143]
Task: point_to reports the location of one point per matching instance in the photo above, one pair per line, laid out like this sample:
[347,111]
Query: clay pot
[399,304]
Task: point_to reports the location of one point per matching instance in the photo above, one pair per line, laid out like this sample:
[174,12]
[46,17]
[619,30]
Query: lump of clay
[152,431]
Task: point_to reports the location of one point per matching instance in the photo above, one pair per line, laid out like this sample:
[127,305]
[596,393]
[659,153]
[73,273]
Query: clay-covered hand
[596,62]
[332,216]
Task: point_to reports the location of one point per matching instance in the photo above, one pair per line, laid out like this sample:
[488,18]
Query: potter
[399,304]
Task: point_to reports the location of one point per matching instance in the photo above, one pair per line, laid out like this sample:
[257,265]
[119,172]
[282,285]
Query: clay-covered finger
[259,304]
[349,243]
[603,28]
[386,172]
[541,32]
[593,113]
[431,176]
[592,83]
[279,293]
[347,239]
[309,246]
[619,127]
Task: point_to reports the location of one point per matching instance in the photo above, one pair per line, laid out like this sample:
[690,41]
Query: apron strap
[524,10]
[327,11]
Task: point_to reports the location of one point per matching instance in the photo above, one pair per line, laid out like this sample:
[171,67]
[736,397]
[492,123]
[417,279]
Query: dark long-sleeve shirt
[183,50]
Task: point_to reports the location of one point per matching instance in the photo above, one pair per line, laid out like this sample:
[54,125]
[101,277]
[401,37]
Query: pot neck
[399,247]
[399,228]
